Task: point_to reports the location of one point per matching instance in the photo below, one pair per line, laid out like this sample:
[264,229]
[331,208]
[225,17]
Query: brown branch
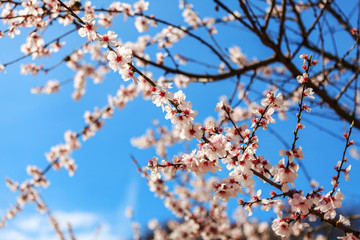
[209,77]
[343,160]
[342,22]
[310,29]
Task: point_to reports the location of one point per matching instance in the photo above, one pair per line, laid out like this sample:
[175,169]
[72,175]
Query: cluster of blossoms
[52,86]
[237,56]
[142,24]
[232,147]
[178,110]
[30,68]
[119,58]
[35,46]
[236,147]
[181,81]
[215,146]
[59,156]
[28,194]
[118,61]
[190,16]
[168,36]
[310,207]
[208,223]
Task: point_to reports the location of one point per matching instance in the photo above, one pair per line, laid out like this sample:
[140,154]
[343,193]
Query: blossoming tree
[303,72]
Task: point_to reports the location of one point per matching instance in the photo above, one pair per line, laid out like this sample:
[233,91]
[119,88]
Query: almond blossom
[309,93]
[302,78]
[107,39]
[119,58]
[285,174]
[229,141]
[141,6]
[281,227]
[89,29]
[300,203]
[194,131]
[227,188]
[141,24]
[296,153]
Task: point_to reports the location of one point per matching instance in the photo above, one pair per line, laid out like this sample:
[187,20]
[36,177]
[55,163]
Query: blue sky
[106,181]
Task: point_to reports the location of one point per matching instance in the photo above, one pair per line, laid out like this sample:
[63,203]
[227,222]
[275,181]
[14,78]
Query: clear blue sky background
[106,181]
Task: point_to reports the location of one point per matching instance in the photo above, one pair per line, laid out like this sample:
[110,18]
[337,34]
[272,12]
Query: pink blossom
[302,78]
[107,39]
[276,102]
[237,56]
[161,95]
[2,68]
[141,24]
[126,10]
[309,93]
[194,130]
[300,203]
[346,172]
[227,188]
[304,56]
[296,153]
[119,58]
[89,29]
[281,227]
[348,236]
[141,6]
[285,174]
[52,86]
[345,221]
[217,146]
[160,58]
